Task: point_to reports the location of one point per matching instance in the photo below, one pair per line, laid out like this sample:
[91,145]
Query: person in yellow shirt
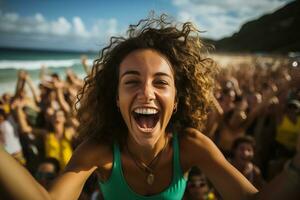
[288,128]
[58,142]
[57,139]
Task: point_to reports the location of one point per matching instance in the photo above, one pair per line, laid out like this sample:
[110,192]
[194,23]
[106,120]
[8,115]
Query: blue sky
[87,25]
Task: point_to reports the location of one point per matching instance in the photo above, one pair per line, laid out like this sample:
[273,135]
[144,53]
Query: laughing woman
[141,110]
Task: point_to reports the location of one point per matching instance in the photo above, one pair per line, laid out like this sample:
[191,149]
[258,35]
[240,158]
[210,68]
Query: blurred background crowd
[255,114]
[254,119]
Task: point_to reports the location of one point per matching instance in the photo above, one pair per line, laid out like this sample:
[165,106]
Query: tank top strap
[116,186]
[177,172]
[116,173]
[116,152]
[117,165]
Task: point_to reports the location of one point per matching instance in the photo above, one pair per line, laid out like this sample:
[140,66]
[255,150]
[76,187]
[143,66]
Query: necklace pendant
[150,179]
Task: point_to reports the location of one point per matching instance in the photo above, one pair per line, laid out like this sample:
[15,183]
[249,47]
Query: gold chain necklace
[147,168]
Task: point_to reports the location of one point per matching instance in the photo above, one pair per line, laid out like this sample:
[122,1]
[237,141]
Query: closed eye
[161,82]
[131,82]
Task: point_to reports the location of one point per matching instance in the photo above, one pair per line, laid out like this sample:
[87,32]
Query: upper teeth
[145,111]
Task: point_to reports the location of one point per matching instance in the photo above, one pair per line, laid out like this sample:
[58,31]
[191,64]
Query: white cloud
[8,21]
[40,25]
[222,18]
[11,17]
[112,27]
[105,28]
[39,17]
[180,2]
[60,31]
[79,28]
[60,27]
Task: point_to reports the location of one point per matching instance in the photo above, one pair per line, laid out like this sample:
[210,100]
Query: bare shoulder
[256,170]
[91,153]
[193,138]
[88,157]
[196,148]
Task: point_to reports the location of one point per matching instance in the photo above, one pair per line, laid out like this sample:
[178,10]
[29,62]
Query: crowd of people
[254,120]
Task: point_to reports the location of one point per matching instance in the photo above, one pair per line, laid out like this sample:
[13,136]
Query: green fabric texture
[116,188]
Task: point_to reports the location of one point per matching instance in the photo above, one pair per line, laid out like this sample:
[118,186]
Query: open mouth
[146,118]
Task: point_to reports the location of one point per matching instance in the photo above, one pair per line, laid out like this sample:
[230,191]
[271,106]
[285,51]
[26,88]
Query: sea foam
[37,64]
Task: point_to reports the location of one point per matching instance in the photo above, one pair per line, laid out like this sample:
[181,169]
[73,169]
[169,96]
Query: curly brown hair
[98,113]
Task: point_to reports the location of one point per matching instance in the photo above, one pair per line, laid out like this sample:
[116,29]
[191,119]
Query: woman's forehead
[145,61]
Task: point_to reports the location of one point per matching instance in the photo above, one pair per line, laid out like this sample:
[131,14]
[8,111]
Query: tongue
[146,122]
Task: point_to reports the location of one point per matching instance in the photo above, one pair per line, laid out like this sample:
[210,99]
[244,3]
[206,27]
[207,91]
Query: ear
[176,101]
[117,101]
[175,107]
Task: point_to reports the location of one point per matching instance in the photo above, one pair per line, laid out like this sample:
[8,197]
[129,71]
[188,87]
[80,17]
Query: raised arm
[43,73]
[18,106]
[75,81]
[20,82]
[85,65]
[267,96]
[214,117]
[216,106]
[33,90]
[58,86]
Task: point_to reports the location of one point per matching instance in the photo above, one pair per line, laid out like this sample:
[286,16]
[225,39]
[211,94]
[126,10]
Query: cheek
[168,98]
[239,153]
[121,95]
[251,153]
[124,100]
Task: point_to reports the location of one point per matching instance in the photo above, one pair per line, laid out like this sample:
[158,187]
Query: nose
[247,152]
[146,92]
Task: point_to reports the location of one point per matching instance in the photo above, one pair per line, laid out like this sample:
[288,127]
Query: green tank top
[116,188]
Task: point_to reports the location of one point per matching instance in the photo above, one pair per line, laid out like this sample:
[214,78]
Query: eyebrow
[130,72]
[133,72]
[162,74]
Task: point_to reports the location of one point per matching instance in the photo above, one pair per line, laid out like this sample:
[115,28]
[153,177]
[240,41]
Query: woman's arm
[83,163]
[16,182]
[285,185]
[19,184]
[200,151]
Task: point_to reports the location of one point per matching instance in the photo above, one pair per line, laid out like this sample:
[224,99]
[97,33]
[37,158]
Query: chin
[147,138]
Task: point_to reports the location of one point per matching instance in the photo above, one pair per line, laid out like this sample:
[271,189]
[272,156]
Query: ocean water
[13,60]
